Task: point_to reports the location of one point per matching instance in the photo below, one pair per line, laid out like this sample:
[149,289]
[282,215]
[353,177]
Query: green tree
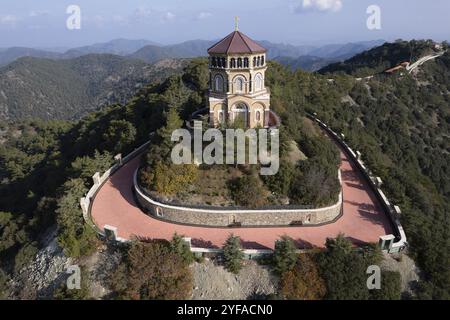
[344,270]
[248,191]
[119,135]
[390,287]
[285,255]
[152,270]
[181,248]
[233,255]
[303,282]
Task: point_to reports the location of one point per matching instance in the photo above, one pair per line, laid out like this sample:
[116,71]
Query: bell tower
[237,91]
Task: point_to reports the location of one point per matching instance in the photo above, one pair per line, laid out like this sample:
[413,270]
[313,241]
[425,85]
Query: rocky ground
[212,281]
[45,273]
[405,266]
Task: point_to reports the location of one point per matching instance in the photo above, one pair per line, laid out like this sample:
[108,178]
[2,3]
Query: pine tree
[285,255]
[232,252]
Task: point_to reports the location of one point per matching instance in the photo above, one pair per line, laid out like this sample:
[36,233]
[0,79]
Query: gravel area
[405,266]
[212,281]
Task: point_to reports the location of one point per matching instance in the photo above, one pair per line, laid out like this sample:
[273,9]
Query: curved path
[362,221]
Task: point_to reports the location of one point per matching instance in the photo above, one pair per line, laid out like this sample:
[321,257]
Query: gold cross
[236,23]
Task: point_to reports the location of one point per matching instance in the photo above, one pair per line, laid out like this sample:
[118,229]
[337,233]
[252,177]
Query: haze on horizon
[43,23]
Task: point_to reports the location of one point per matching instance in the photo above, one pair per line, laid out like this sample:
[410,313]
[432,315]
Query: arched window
[258,115]
[239,63]
[258,61]
[214,63]
[258,82]
[221,116]
[224,62]
[239,84]
[245,62]
[233,63]
[254,61]
[262,60]
[218,83]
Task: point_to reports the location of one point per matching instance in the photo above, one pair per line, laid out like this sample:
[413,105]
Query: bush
[181,248]
[390,287]
[344,270]
[285,255]
[152,270]
[303,282]
[233,255]
[247,191]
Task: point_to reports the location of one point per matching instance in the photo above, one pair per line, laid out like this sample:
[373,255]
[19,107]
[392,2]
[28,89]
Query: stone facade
[237,82]
[230,217]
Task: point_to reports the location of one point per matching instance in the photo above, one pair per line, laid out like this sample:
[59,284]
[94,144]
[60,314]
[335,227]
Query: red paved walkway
[362,220]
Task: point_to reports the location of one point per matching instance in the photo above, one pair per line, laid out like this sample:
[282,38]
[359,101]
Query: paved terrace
[362,221]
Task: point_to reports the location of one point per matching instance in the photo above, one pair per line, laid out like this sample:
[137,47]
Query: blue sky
[43,23]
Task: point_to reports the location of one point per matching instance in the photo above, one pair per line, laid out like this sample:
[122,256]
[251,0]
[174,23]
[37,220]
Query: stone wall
[236,217]
[389,243]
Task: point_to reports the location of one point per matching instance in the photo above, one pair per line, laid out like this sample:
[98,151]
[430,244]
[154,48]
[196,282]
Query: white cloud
[203,15]
[142,12]
[169,16]
[8,20]
[319,6]
[37,13]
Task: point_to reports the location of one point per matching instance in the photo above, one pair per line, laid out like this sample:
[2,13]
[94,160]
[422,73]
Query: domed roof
[236,42]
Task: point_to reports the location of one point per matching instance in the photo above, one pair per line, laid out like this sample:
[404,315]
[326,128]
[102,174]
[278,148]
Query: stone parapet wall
[397,241]
[236,217]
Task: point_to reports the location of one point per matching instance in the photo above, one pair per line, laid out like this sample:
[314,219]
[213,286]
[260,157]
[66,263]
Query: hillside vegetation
[381,58]
[68,89]
[399,123]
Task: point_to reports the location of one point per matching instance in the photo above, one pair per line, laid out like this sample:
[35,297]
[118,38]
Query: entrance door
[240,112]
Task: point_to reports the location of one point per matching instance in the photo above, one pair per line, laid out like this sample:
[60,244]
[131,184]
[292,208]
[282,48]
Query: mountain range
[151,52]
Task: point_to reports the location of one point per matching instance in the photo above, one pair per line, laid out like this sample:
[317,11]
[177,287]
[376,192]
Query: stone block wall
[237,217]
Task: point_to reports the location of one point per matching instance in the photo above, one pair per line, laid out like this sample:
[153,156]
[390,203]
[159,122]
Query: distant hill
[197,48]
[8,55]
[344,51]
[67,89]
[382,57]
[151,52]
[308,63]
[188,49]
[120,47]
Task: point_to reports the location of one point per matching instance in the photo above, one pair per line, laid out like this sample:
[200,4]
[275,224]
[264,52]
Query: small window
[262,60]
[218,83]
[239,84]
[258,115]
[233,63]
[159,212]
[245,62]
[239,63]
[220,116]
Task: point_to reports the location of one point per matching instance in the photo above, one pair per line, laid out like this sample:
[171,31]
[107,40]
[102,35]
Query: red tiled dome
[236,42]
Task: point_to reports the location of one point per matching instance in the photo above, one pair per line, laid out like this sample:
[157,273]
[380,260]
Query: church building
[237,92]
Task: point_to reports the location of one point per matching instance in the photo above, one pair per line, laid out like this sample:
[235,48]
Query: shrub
[233,255]
[303,282]
[152,270]
[285,255]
